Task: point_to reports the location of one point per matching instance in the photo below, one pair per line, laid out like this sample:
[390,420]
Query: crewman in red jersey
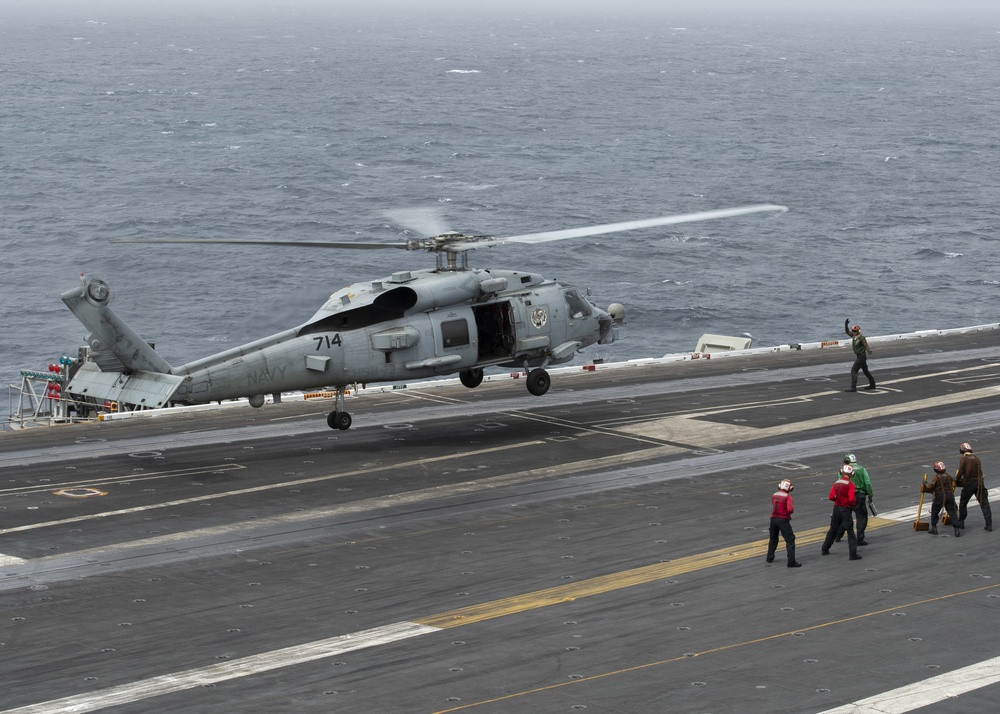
[782,508]
[842,495]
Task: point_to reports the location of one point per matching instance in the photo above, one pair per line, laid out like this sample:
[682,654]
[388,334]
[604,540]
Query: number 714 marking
[327,340]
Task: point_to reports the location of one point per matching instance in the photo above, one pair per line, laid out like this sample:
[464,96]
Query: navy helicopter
[409,325]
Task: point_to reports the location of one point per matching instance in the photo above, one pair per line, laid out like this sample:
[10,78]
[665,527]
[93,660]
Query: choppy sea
[880,134]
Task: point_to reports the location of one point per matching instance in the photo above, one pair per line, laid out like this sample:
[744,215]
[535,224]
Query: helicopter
[412,324]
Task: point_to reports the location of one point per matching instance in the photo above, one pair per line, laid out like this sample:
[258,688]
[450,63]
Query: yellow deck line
[624,579]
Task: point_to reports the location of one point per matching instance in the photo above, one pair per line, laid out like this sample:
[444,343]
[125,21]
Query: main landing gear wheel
[539,382]
[339,420]
[471,378]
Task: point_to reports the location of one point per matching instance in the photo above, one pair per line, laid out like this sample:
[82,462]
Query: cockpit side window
[578,305]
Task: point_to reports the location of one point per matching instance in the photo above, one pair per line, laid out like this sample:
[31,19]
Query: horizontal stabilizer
[139,389]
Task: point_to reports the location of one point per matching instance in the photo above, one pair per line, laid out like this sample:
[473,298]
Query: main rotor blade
[447,242]
[286,243]
[424,221]
[635,225]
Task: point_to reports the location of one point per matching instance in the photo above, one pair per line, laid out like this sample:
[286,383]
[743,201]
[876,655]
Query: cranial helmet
[785,486]
[939,467]
[850,459]
[856,328]
[965,447]
[846,470]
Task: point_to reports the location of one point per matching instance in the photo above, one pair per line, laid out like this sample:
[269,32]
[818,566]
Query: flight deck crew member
[782,508]
[943,488]
[970,477]
[861,351]
[862,492]
[842,495]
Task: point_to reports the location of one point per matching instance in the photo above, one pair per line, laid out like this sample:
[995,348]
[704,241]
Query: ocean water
[297,123]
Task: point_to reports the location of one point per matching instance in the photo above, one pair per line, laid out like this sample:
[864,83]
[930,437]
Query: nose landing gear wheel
[471,378]
[539,382]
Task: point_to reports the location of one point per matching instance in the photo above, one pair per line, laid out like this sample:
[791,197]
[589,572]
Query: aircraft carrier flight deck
[599,548]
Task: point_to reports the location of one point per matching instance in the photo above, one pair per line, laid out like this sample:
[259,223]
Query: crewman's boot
[958,532]
[871,386]
[933,530]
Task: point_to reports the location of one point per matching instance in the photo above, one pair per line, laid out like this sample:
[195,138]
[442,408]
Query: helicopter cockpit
[579,306]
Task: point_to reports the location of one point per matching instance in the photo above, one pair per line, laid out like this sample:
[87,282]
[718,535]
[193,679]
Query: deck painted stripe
[690,426]
[624,579]
[255,664]
[129,477]
[6,560]
[717,649]
[930,691]
[309,651]
[909,514]
[260,489]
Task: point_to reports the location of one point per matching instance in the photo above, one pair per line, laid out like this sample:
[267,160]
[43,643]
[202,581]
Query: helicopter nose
[608,321]
[605,325]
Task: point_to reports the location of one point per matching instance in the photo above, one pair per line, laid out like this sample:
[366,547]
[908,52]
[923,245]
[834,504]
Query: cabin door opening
[495,325]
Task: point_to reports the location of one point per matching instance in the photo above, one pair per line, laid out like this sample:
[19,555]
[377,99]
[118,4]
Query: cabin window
[455,333]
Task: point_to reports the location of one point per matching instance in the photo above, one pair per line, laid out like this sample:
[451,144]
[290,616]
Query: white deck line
[244,667]
[930,691]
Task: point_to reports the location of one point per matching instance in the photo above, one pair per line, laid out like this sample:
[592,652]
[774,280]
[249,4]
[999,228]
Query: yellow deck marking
[624,579]
[131,692]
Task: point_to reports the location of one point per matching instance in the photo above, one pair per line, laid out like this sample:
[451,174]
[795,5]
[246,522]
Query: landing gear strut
[338,418]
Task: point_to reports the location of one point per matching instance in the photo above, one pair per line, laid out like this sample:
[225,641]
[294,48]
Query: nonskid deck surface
[597,549]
